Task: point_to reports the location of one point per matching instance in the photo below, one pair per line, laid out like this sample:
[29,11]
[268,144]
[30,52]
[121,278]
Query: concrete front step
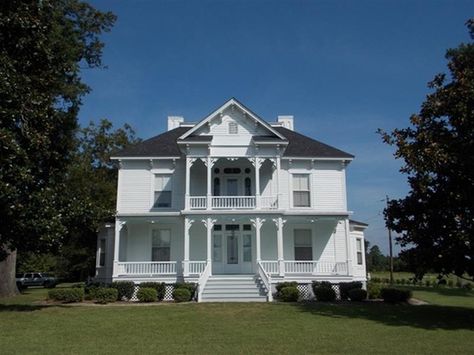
[232,288]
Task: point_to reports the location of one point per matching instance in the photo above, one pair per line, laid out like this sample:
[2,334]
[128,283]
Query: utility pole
[390,248]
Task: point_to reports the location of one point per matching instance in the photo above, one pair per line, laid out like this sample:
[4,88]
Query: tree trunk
[7,276]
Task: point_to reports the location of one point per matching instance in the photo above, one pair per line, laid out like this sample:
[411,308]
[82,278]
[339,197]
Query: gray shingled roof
[166,145]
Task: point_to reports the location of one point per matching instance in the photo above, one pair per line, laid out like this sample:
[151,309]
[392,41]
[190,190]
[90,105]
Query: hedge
[181,294]
[345,287]
[395,295]
[125,289]
[190,286]
[66,295]
[357,294]
[289,294]
[105,295]
[147,294]
[324,293]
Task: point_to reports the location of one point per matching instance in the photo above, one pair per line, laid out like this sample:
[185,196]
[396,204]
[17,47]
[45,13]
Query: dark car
[35,279]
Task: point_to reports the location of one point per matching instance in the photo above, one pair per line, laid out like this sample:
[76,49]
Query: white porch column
[348,247]
[209,223]
[278,167]
[257,164]
[188,171]
[209,168]
[187,225]
[257,223]
[280,222]
[118,228]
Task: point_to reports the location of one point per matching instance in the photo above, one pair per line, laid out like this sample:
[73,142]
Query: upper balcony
[232,183]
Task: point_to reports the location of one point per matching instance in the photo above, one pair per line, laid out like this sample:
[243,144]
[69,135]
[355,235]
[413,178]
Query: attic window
[233,129]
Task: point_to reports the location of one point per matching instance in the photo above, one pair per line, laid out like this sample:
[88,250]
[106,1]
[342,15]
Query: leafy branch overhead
[436,219]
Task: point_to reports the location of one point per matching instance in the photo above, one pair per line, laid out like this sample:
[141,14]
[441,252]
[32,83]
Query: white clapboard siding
[340,242]
[134,195]
[329,187]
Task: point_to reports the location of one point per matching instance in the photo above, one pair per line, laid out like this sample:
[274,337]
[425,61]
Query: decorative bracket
[209,222]
[188,223]
[277,222]
[257,222]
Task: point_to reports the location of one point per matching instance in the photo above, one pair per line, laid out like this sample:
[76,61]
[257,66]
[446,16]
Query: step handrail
[267,281]
[202,281]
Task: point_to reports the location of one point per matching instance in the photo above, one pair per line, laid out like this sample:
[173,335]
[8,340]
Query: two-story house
[235,204]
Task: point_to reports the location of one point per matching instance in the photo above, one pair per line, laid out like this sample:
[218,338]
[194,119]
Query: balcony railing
[233,202]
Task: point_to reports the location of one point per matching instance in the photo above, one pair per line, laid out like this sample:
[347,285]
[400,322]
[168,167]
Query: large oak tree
[43,47]
[435,221]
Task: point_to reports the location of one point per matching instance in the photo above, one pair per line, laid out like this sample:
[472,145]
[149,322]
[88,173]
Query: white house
[235,204]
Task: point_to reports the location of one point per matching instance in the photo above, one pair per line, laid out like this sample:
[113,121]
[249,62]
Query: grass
[233,328]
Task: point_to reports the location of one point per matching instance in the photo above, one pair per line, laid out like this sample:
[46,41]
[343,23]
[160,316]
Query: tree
[435,220]
[376,261]
[90,198]
[43,45]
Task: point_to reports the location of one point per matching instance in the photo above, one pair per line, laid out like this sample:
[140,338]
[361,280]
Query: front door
[233,250]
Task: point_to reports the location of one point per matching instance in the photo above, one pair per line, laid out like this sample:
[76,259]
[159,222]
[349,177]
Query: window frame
[309,245]
[293,190]
[102,249]
[359,251]
[155,190]
[160,230]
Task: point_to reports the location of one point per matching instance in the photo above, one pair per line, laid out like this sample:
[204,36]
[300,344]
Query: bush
[66,295]
[373,290]
[289,294]
[105,295]
[147,294]
[77,285]
[441,282]
[124,289]
[324,294]
[467,286]
[428,283]
[281,285]
[159,287]
[376,279]
[357,294]
[181,294]
[345,287]
[395,295]
[450,283]
[191,287]
[91,288]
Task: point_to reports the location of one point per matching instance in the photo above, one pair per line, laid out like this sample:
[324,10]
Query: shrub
[450,283]
[345,287]
[467,286]
[191,287]
[428,283]
[289,294]
[147,294]
[281,285]
[91,288]
[124,289]
[376,279]
[395,295]
[181,294]
[373,290]
[441,282]
[159,287]
[77,285]
[105,295]
[398,281]
[324,294]
[403,281]
[66,295]
[357,294]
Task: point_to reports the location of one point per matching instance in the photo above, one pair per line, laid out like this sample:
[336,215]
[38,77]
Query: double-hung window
[163,191]
[301,191]
[303,244]
[161,242]
[102,252]
[359,251]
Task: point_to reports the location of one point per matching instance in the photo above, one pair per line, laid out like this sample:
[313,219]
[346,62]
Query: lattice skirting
[168,293]
[306,291]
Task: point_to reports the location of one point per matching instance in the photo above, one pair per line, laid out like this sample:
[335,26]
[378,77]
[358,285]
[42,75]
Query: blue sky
[342,68]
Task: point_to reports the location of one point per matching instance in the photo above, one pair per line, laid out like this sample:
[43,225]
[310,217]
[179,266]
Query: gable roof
[230,102]
[166,145]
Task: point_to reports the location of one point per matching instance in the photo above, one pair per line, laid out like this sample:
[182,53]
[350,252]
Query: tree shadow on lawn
[429,317]
[21,307]
[443,291]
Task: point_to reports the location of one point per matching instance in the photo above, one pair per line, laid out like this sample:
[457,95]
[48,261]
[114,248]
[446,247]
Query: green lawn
[447,326]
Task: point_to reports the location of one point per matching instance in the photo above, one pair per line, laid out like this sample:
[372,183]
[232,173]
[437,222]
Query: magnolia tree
[43,46]
[435,221]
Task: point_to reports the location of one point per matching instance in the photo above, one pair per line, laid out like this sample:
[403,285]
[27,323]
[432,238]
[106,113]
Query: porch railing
[266,279]
[203,280]
[196,267]
[147,268]
[315,267]
[233,202]
[312,267]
